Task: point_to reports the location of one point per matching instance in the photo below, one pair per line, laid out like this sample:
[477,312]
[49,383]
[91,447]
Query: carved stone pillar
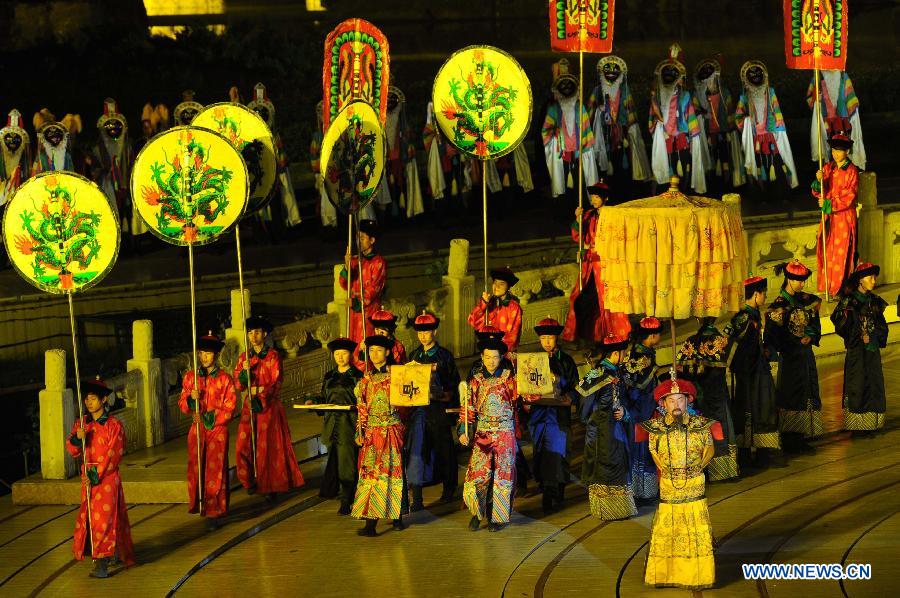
[151,399]
[456,334]
[57,416]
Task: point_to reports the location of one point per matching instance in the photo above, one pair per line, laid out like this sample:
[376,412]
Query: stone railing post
[339,304]
[234,334]
[871,221]
[455,332]
[57,416]
[151,399]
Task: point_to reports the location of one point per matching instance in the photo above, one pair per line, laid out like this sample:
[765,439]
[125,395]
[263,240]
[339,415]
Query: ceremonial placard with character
[533,376]
[410,385]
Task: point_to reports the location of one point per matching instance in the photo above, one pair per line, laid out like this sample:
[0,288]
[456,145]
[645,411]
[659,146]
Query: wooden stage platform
[838,505]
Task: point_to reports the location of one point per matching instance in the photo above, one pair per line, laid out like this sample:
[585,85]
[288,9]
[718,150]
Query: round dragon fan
[482,101]
[189,185]
[353,157]
[250,135]
[61,232]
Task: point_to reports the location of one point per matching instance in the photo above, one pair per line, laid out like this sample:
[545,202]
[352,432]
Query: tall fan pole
[347,270]
[581,35]
[84,455]
[817,53]
[246,335]
[362,303]
[484,218]
[196,379]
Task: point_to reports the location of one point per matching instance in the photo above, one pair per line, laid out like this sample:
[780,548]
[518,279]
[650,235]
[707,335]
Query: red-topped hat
[506,275]
[651,325]
[840,140]
[755,283]
[598,188]
[674,386]
[866,269]
[614,342]
[548,326]
[383,319]
[426,321]
[794,270]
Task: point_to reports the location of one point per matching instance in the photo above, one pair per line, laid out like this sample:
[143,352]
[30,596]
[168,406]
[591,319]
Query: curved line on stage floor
[246,535]
[548,570]
[853,545]
[41,524]
[50,578]
[46,552]
[536,548]
[17,513]
[761,583]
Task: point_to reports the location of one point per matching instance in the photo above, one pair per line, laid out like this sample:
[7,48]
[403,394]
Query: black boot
[448,493]
[99,569]
[474,524]
[398,524]
[547,503]
[369,529]
[347,494]
[495,527]
[212,524]
[417,504]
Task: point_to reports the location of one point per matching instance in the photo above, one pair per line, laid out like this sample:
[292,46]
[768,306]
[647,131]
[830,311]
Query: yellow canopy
[672,256]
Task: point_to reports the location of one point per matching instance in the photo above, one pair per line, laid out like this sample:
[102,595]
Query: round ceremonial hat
[210,342]
[651,325]
[493,344]
[370,227]
[376,340]
[614,342]
[383,319]
[548,326]
[794,270]
[426,321]
[755,284]
[840,140]
[488,332]
[95,386]
[341,343]
[866,269]
[598,188]
[258,323]
[506,275]
[673,387]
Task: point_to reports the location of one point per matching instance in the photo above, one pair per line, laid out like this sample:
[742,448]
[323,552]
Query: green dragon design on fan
[58,236]
[357,157]
[480,98]
[251,150]
[185,188]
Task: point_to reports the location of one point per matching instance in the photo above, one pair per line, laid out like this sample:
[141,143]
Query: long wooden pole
[196,379]
[84,455]
[362,291]
[817,53]
[246,335]
[484,218]
[347,270]
[581,35]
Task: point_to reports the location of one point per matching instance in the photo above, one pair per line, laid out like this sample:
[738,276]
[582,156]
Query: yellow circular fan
[61,232]
[189,185]
[482,101]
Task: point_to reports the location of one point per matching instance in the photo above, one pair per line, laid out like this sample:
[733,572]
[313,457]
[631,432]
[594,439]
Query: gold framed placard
[533,375]
[410,385]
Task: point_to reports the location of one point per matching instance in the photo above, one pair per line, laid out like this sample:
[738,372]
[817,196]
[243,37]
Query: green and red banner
[569,17]
[812,24]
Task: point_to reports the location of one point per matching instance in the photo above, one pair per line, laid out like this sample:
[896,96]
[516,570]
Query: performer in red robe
[215,393]
[588,320]
[104,440]
[374,276]
[500,309]
[276,465]
[840,180]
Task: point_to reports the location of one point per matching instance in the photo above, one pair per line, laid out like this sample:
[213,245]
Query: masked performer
[15,158]
[839,113]
[188,108]
[400,189]
[112,166]
[52,151]
[714,105]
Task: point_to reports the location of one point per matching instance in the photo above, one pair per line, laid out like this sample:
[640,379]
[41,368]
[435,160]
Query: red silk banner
[809,21]
[566,18]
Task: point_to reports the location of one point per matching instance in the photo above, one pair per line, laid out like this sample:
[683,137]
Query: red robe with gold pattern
[605,322]
[504,314]
[374,276]
[276,465]
[841,185]
[110,530]
[217,403]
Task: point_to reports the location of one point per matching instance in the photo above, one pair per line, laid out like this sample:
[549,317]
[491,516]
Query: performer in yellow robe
[681,444]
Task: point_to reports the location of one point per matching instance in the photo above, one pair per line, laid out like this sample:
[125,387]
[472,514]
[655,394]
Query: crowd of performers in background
[697,129]
[652,433]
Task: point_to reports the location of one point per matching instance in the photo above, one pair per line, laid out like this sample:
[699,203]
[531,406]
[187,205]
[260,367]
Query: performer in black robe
[859,320]
[550,426]
[605,467]
[639,374]
[703,358]
[339,430]
[755,414]
[431,448]
[794,328]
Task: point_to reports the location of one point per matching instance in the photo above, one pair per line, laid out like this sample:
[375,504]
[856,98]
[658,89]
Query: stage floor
[839,505]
